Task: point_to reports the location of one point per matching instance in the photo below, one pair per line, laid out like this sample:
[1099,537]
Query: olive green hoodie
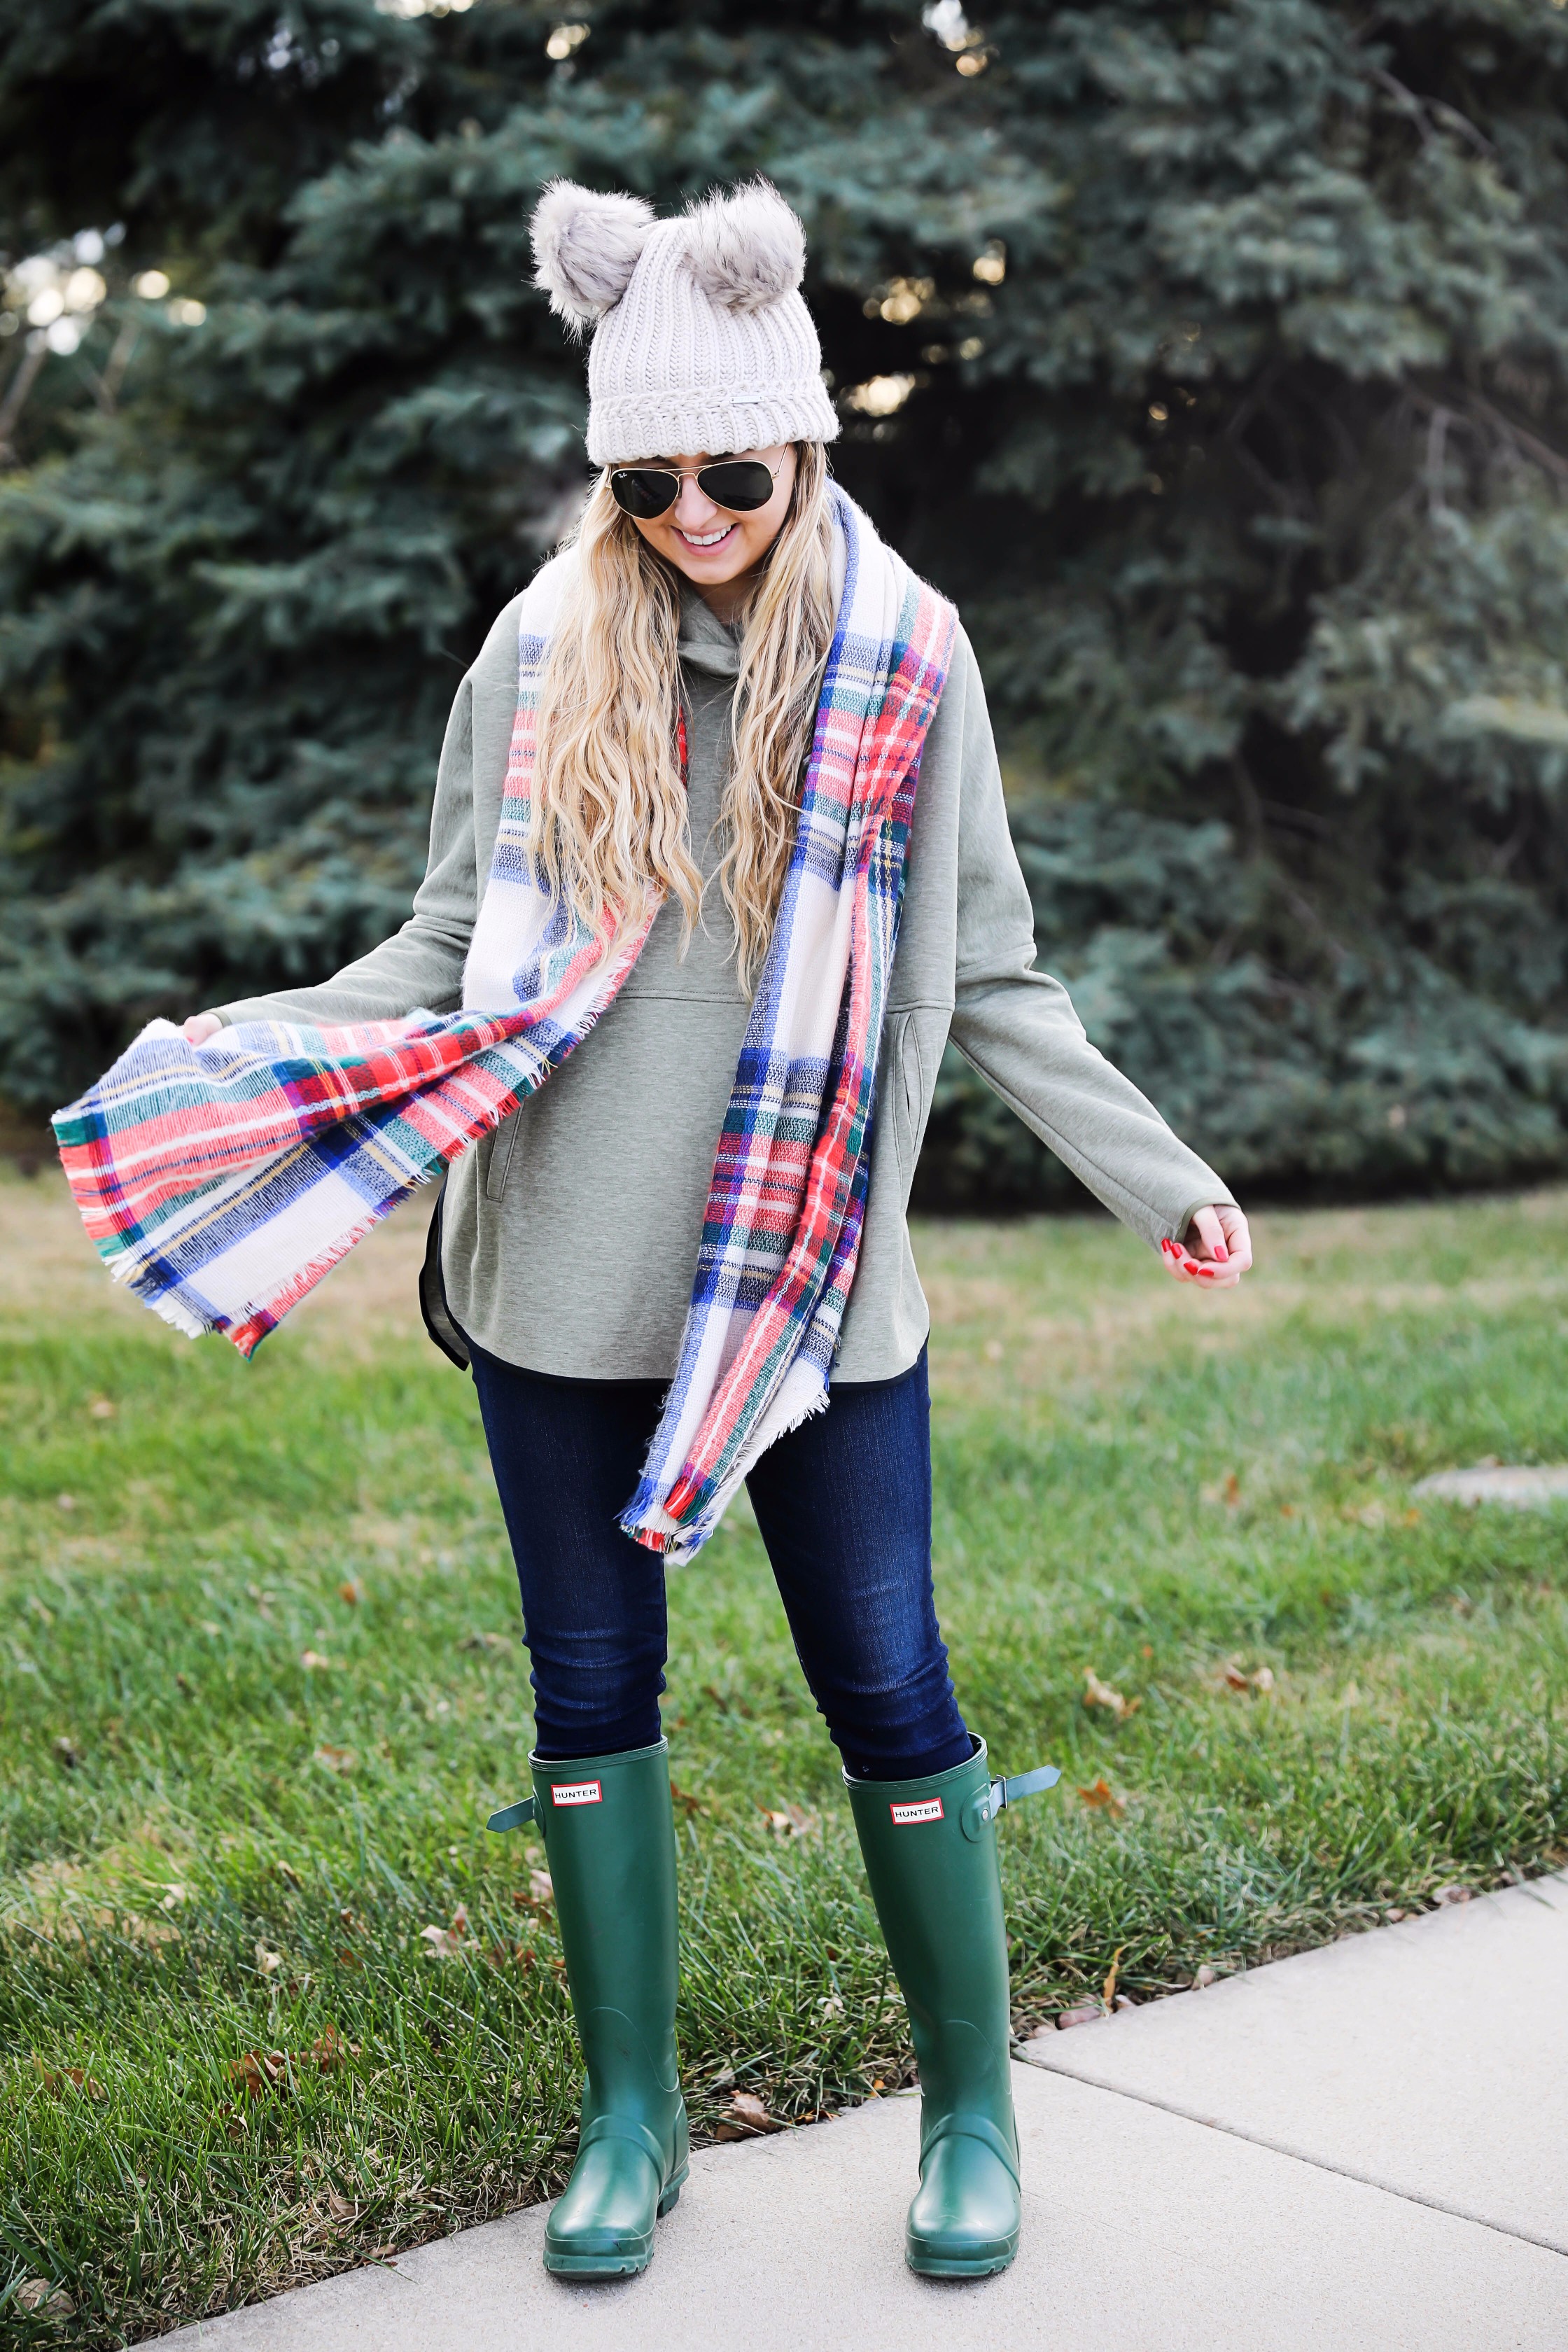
[571,1233]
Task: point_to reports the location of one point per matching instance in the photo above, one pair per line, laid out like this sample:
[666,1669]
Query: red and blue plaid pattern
[782,1231]
[221,1183]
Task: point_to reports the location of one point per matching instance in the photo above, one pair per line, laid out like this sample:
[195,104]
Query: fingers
[1220,1249]
[199,1027]
[1188,1268]
[1207,1230]
[1237,1235]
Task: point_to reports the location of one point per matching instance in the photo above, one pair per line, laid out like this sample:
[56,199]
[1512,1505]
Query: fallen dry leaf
[313,1661]
[684,1797]
[486,1641]
[334,1759]
[259,2070]
[1087,2012]
[65,1502]
[57,2078]
[330,2051]
[1102,1794]
[43,2295]
[1454,1893]
[1236,1677]
[1098,1694]
[101,1408]
[1228,1491]
[792,1822]
[68,1751]
[747,2118]
[1108,1989]
[340,2207]
[267,1960]
[1205,1977]
[445,1941]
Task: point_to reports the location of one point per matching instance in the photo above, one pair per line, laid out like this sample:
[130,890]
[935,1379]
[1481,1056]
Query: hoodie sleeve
[1017,1027]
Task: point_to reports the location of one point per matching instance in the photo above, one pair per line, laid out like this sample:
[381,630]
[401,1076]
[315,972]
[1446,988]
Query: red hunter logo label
[929,1809]
[576,1792]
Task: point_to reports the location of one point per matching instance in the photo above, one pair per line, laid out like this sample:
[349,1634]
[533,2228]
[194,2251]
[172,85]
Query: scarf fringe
[689,1538]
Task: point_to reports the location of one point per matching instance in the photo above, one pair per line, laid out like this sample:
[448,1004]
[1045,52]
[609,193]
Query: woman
[745,735]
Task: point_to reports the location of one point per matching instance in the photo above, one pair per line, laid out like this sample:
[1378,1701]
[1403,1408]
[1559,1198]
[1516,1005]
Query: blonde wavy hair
[609,815]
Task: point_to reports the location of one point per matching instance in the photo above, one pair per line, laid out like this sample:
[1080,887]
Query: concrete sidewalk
[1358,2150]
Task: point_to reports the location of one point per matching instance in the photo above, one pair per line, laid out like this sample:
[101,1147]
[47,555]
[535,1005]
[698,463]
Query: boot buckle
[986,1803]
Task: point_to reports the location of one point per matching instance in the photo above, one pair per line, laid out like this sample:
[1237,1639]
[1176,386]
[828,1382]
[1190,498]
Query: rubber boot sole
[932,2264]
[625,2260]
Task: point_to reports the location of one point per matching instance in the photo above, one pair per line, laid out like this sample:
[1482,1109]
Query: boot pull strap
[514,1817]
[1023,1784]
[987,1803]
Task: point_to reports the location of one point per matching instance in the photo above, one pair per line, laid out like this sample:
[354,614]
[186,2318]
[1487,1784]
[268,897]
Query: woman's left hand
[1218,1250]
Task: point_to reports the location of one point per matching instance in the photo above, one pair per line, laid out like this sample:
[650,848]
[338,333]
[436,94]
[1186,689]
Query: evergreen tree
[1214,358]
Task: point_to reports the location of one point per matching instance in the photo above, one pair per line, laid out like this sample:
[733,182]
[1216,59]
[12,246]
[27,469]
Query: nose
[694,511]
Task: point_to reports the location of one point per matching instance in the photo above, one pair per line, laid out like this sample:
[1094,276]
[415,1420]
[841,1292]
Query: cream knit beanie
[703,341]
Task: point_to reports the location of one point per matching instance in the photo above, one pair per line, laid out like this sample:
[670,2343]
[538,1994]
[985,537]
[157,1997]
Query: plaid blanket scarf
[221,1182]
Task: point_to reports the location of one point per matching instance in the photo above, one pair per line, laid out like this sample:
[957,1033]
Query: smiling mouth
[706,538]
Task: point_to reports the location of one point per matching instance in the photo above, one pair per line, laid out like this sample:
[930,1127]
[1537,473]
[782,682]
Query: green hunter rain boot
[609,1835]
[930,1849]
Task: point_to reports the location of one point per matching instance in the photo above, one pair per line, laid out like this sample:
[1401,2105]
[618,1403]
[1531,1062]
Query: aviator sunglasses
[645,492]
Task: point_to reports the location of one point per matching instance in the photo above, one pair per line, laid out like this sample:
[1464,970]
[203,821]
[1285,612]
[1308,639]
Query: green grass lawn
[260,1685]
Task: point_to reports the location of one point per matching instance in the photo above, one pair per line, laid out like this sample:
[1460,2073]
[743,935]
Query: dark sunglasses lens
[644,492]
[742,484]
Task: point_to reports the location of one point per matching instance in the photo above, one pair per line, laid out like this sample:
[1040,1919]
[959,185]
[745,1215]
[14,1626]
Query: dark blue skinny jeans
[844,1506]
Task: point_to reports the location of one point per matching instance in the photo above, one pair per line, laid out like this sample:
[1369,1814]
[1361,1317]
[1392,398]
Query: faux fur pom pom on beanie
[701,340]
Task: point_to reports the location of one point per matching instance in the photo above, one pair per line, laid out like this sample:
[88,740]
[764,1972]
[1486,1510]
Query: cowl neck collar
[705,643]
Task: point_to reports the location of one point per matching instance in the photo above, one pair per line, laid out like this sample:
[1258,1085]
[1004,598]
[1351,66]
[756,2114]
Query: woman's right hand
[198,1027]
